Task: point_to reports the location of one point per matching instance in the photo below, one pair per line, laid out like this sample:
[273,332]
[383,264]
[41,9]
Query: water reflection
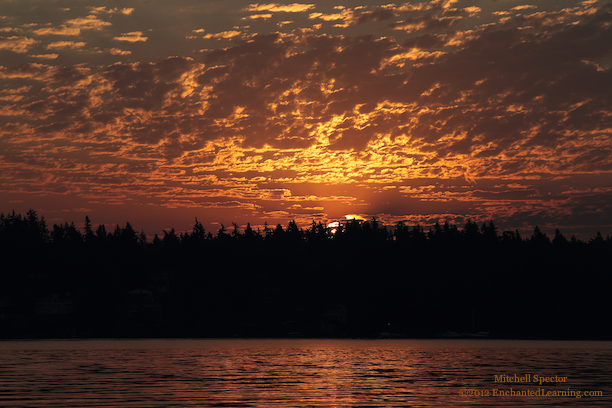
[294,373]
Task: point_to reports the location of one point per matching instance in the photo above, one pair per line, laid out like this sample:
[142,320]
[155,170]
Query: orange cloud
[45,56]
[524,7]
[134,36]
[117,51]
[103,9]
[224,35]
[17,44]
[275,7]
[74,26]
[90,22]
[427,6]
[66,44]
[258,17]
[61,30]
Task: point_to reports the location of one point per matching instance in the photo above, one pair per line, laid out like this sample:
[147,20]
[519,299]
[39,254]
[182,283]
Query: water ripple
[293,373]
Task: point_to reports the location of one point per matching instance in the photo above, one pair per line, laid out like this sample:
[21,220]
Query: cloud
[426,22]
[258,17]
[116,10]
[375,14]
[90,22]
[438,15]
[45,56]
[134,36]
[37,72]
[117,51]
[224,35]
[74,26]
[427,6]
[66,44]
[61,30]
[343,15]
[275,7]
[10,30]
[17,44]
[524,7]
[98,10]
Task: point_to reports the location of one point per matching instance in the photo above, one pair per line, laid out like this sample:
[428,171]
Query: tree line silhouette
[360,279]
[31,231]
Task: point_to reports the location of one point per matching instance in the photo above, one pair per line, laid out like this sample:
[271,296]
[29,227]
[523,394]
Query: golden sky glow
[157,113]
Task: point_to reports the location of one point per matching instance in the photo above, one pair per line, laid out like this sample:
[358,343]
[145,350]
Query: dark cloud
[429,41]
[426,22]
[376,14]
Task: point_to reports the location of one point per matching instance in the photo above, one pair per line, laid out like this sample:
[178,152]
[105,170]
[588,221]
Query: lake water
[303,373]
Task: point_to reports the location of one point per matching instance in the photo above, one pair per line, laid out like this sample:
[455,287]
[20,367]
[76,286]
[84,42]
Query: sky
[155,112]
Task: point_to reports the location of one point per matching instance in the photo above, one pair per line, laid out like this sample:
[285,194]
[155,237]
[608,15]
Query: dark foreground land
[362,281]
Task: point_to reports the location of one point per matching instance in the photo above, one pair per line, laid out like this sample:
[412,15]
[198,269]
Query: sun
[333,227]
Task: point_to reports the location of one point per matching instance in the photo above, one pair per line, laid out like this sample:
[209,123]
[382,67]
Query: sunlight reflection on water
[295,373]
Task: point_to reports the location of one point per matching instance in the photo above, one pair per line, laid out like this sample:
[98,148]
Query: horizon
[390,229]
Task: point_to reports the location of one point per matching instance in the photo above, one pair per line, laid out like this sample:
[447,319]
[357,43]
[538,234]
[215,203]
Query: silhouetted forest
[362,280]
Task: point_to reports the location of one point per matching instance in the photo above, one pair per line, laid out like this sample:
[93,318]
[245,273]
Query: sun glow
[333,226]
